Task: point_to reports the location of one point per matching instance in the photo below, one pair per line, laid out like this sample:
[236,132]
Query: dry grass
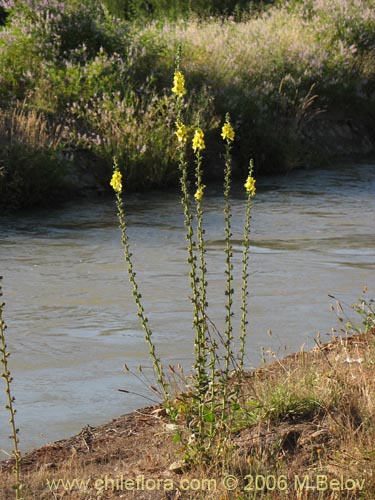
[28,127]
[315,415]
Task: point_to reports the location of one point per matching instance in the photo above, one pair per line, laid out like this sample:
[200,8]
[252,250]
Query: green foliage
[366,310]
[137,128]
[277,71]
[33,170]
[282,404]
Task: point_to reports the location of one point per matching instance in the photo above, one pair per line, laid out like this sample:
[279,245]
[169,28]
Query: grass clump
[283,404]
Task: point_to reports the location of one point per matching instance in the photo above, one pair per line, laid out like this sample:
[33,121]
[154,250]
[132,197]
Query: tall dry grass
[29,127]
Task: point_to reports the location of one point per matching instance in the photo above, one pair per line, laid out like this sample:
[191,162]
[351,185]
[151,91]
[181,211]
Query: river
[69,309]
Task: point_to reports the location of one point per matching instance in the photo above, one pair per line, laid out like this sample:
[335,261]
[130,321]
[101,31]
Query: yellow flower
[198,140]
[181,132]
[116,181]
[250,185]
[199,193]
[227,132]
[179,84]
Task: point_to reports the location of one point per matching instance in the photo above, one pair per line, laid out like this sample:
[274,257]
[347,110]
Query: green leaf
[209,416]
[176,438]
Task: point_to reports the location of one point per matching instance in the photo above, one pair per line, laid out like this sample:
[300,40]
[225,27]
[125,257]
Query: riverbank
[313,439]
[80,87]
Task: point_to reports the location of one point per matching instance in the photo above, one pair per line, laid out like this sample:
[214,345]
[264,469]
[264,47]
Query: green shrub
[138,129]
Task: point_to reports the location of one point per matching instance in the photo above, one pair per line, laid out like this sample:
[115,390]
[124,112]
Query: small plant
[205,410]
[364,307]
[285,404]
[4,355]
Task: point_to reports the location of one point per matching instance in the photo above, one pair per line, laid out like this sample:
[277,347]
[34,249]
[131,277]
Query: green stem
[245,275]
[137,297]
[4,355]
[201,360]
[228,335]
[201,326]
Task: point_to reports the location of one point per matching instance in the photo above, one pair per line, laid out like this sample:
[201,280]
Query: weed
[4,355]
[210,403]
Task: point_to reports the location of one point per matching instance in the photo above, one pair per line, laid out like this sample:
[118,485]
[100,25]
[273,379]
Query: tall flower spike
[179,84]
[116,181]
[250,186]
[198,140]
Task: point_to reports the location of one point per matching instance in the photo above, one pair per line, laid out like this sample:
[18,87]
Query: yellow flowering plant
[181,132]
[227,132]
[250,185]
[179,84]
[198,140]
[228,135]
[211,401]
[199,192]
[250,189]
[116,181]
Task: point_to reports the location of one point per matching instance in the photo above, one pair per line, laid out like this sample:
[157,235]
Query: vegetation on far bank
[79,86]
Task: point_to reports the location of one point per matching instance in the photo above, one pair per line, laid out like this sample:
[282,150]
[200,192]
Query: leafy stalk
[161,381]
[201,360]
[4,355]
[229,266]
[245,274]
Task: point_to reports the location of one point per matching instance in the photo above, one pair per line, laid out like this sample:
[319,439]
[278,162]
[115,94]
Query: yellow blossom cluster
[179,84]
[250,186]
[116,181]
[199,192]
[181,132]
[198,140]
[227,132]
